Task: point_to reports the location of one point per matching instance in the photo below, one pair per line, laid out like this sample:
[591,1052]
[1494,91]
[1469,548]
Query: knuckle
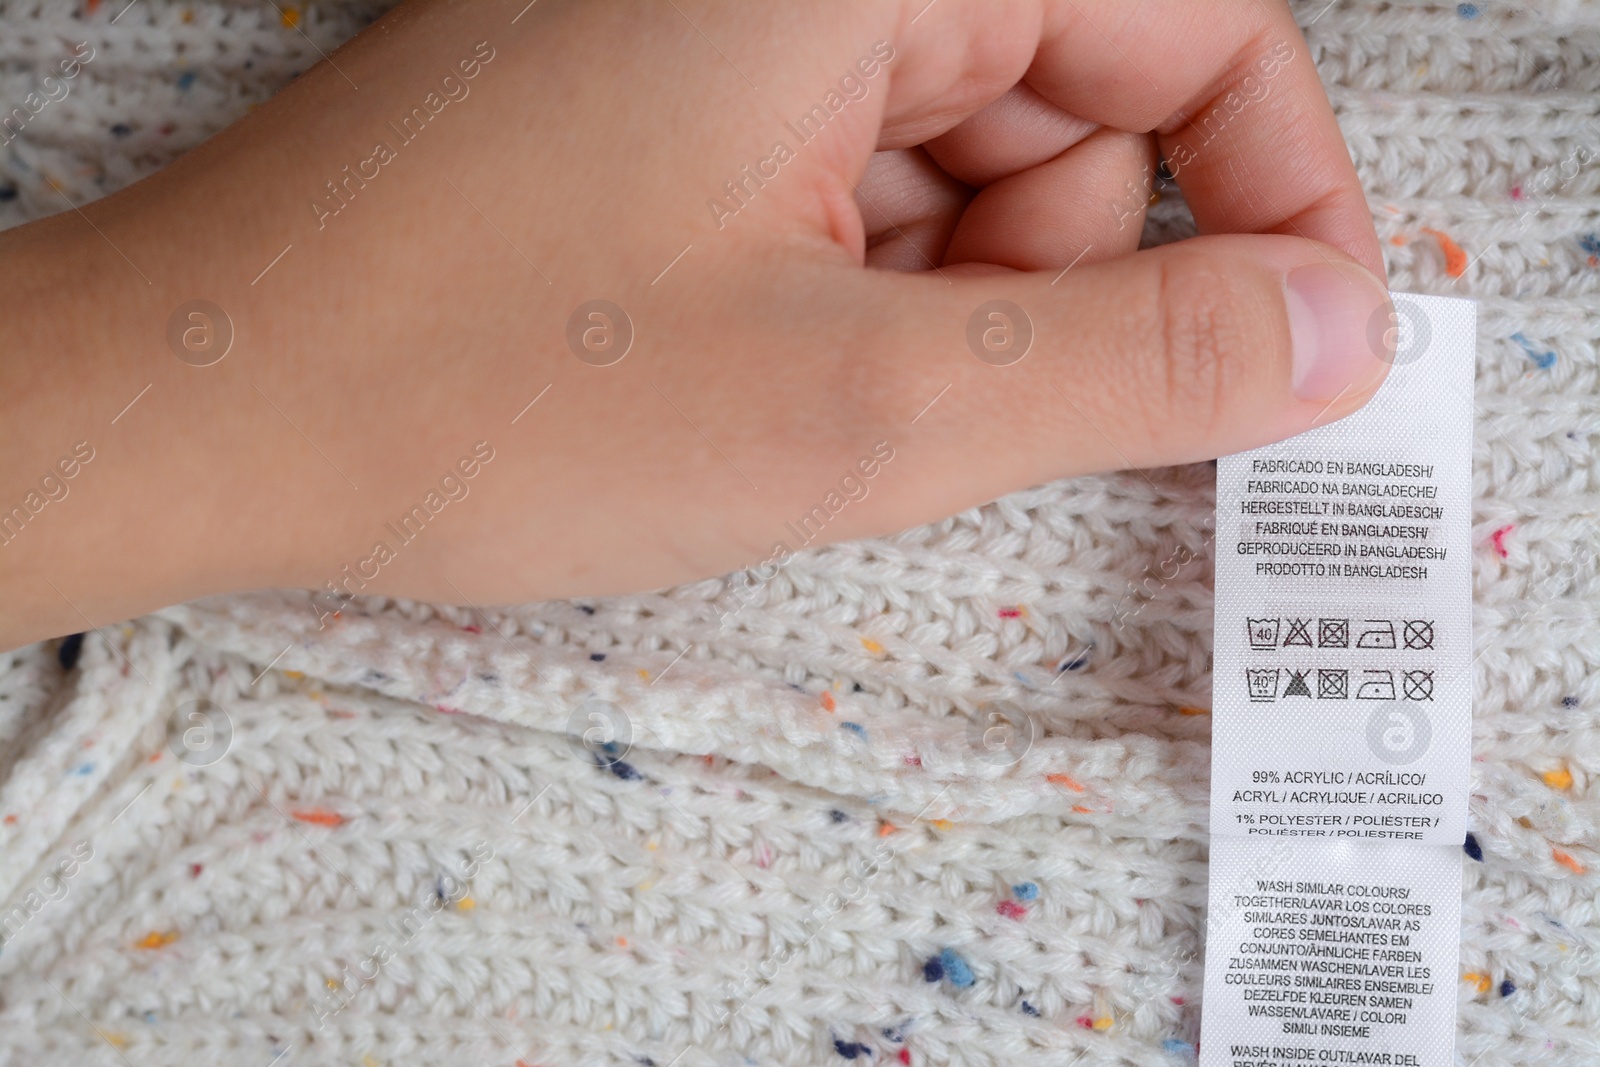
[1207,332]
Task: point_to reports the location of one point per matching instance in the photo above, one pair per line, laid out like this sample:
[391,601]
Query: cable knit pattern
[231,836]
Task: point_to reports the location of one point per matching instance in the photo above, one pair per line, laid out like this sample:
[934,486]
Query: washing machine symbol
[1262,683]
[1263,633]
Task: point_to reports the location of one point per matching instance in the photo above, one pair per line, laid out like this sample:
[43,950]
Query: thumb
[1172,355]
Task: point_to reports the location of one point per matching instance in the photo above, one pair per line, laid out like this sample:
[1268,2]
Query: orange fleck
[644,674]
[885,829]
[942,824]
[188,16]
[466,904]
[1061,779]
[1481,982]
[156,939]
[91,6]
[291,17]
[828,701]
[319,816]
[1103,1023]
[1455,260]
[1567,860]
[1397,240]
[154,756]
[1186,710]
[871,646]
[114,1039]
[1558,779]
[11,820]
[1081,810]
[622,942]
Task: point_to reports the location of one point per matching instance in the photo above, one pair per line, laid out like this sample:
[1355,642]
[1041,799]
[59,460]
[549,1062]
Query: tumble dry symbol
[1333,684]
[1333,633]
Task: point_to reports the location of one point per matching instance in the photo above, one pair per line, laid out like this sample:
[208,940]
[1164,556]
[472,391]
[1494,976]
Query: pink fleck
[1499,539]
[1011,909]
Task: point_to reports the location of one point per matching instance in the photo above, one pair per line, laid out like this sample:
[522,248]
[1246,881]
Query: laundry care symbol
[1263,633]
[1418,633]
[1333,684]
[1376,633]
[1299,633]
[1418,685]
[1376,685]
[1297,684]
[1262,684]
[1333,633]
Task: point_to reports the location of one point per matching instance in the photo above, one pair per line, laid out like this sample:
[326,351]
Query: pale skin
[796,333]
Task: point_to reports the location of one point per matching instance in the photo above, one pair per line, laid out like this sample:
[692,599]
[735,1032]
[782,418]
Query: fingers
[909,208]
[1229,87]
[1020,130]
[1172,355]
[1073,209]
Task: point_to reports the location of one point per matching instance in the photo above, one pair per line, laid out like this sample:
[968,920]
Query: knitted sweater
[724,825]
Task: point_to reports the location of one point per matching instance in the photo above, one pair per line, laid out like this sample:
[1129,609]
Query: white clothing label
[1341,722]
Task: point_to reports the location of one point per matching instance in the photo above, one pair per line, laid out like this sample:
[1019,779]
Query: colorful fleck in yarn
[1025,890]
[69,650]
[1029,1009]
[855,728]
[597,657]
[850,1049]
[1480,982]
[318,816]
[1472,848]
[1498,538]
[1455,259]
[1569,702]
[837,816]
[933,969]
[1507,988]
[955,969]
[1544,360]
[1567,860]
[1180,1048]
[1011,909]
[1560,778]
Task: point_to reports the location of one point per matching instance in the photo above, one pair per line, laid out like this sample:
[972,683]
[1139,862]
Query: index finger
[1229,87]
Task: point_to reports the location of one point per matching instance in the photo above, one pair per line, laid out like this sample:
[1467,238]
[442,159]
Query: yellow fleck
[296,675]
[114,1039]
[1103,1023]
[466,904]
[291,17]
[368,1061]
[157,938]
[332,983]
[644,674]
[1481,981]
[871,646]
[188,16]
[942,824]
[651,844]
[645,886]
[1558,779]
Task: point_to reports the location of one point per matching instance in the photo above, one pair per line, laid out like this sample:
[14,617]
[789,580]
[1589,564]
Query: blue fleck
[186,79]
[955,969]
[1590,243]
[622,769]
[933,970]
[121,129]
[586,609]
[1542,360]
[1025,891]
[1569,702]
[597,656]
[83,769]
[1078,662]
[67,654]
[150,1017]
[1029,1009]
[1507,988]
[850,1049]
[855,728]
[892,1033]
[1172,1044]
[837,816]
[1467,11]
[7,192]
[1472,848]
[1023,678]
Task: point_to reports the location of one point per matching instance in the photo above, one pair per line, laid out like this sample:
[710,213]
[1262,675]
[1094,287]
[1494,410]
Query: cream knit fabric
[227,837]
